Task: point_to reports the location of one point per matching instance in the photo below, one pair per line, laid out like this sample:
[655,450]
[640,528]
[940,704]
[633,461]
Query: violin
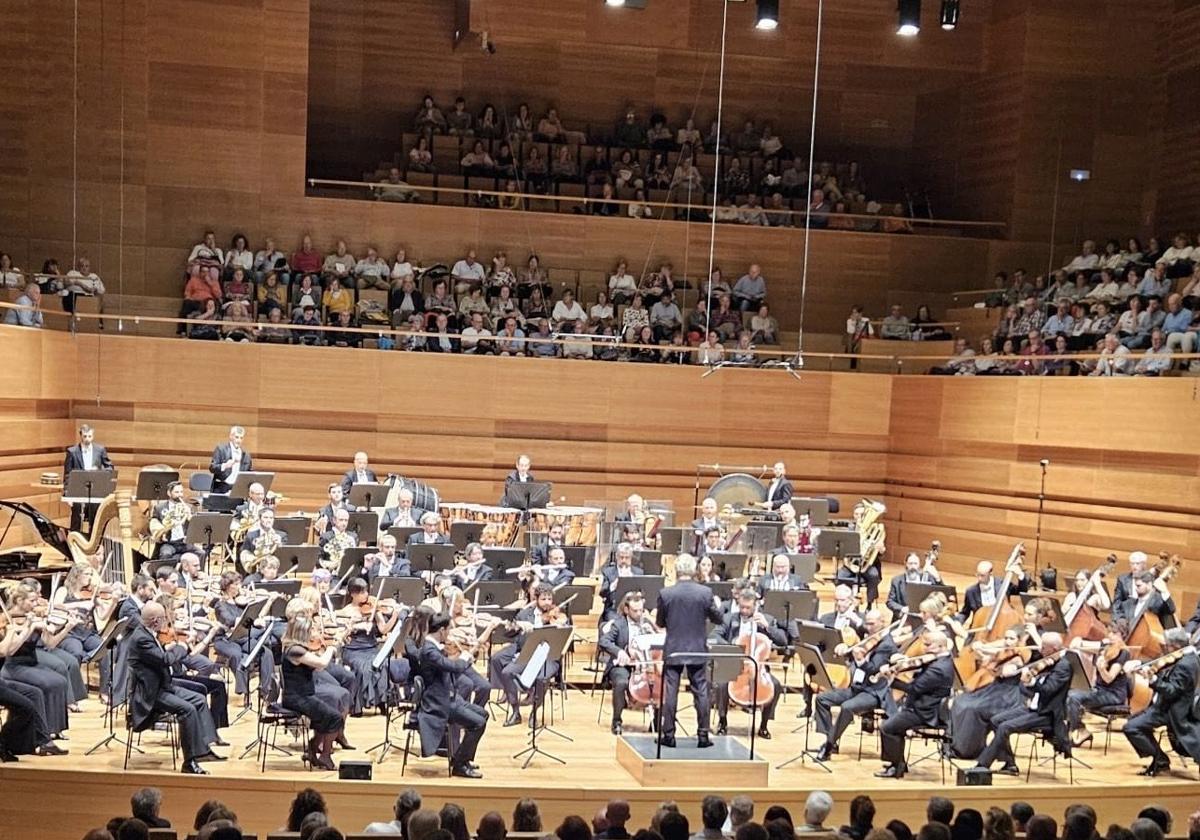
[1033,669]
[869,643]
[905,664]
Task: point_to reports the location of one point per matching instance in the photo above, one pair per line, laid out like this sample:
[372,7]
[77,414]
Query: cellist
[616,639]
[736,628]
[1112,687]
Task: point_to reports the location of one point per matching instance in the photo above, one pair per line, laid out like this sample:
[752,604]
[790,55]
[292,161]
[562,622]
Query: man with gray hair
[1170,706]
[741,811]
[145,804]
[407,801]
[684,610]
[1043,707]
[622,566]
[229,460]
[816,811]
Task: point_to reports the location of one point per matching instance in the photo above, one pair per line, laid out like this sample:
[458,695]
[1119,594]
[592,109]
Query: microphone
[1045,462]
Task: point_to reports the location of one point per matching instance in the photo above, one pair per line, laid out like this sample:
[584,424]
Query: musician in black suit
[923,696]
[153,693]
[861,696]
[1193,623]
[335,541]
[386,562]
[1150,595]
[472,569]
[797,539]
[442,709]
[404,514]
[521,475]
[683,610]
[85,455]
[555,537]
[913,573]
[843,616]
[337,501]
[707,519]
[635,510]
[429,534]
[781,578]
[361,473]
[779,489]
[983,593]
[266,531]
[1044,709]
[556,572]
[735,627]
[503,667]
[229,460]
[1172,705]
[1123,590]
[622,566]
[614,639]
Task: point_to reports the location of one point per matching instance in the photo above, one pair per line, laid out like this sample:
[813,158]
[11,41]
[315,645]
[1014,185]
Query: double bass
[1081,619]
[990,626]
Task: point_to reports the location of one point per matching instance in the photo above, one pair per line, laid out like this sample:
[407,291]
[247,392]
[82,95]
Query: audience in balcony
[896,325]
[31,315]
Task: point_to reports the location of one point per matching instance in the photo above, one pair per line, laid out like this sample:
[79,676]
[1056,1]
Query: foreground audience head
[940,810]
[422,823]
[713,812]
[1142,828]
[968,825]
[674,826]
[311,823]
[454,820]
[145,804]
[526,817]
[1041,827]
[1157,813]
[135,829]
[997,825]
[573,828]
[491,827]
[1021,813]
[741,810]
[900,829]
[751,831]
[934,831]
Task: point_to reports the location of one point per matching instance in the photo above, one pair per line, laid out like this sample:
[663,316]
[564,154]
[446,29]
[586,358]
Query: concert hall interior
[653,409]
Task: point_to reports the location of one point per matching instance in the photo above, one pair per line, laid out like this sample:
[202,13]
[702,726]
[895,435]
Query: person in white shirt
[1179,250]
[752,212]
[467,273]
[207,251]
[239,255]
[371,271]
[339,264]
[577,348]
[402,269]
[271,259]
[622,285]
[82,280]
[1114,358]
[567,309]
[1134,319]
[474,335]
[1088,260]
[711,351]
[1157,358]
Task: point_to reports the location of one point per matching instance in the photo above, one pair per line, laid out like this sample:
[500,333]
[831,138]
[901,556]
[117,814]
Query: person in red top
[306,260]
[203,285]
[1034,347]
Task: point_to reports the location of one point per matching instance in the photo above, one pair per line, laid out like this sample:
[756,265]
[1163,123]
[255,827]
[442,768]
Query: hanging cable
[812,146]
[74,138]
[121,185]
[712,228]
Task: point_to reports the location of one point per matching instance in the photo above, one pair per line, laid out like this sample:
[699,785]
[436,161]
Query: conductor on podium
[684,611]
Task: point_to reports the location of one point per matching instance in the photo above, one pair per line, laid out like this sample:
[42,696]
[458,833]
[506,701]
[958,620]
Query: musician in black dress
[78,594]
[1172,705]
[972,711]
[1112,683]
[615,639]
[622,566]
[1043,707]
[25,729]
[736,628]
[442,713]
[228,611]
[861,696]
[303,655]
[368,625]
[923,696]
[21,665]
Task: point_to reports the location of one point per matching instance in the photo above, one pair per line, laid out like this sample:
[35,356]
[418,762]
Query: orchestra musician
[521,475]
[267,572]
[870,576]
[304,654]
[85,455]
[972,712]
[471,569]
[843,616]
[781,578]
[860,696]
[49,652]
[153,691]
[797,538]
[370,621]
[190,575]
[360,473]
[913,573]
[263,540]
[227,612]
[705,573]
[635,510]
[469,630]
[94,603]
[779,490]
[555,538]
[733,629]
[707,519]
[337,501]
[1098,600]
[504,668]
[683,610]
[167,583]
[229,460]
[403,515]
[442,712]
[622,566]
[21,664]
[386,562]
[982,594]
[245,515]
[25,730]
[171,518]
[335,683]
[336,540]
[1043,708]
[1112,687]
[429,534]
[1150,595]
[1172,704]
[1123,591]
[555,572]
[714,542]
[616,639]
[932,682]
[194,641]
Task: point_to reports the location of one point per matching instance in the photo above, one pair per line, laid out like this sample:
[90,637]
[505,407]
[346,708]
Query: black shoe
[49,748]
[764,733]
[192,768]
[722,727]
[892,771]
[210,756]
[343,743]
[703,742]
[1009,769]
[514,718]
[7,757]
[826,752]
[616,727]
[465,771]
[1155,769]
[442,752]
[667,741]
[803,713]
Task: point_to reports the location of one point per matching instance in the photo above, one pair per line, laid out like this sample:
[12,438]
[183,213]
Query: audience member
[424,823]
[307,801]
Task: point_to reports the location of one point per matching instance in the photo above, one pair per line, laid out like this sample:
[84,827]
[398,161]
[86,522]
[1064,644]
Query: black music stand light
[648,585]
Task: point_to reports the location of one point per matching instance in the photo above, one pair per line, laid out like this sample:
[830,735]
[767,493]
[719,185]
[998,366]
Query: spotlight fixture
[950,12]
[910,18]
[768,15]
[614,2]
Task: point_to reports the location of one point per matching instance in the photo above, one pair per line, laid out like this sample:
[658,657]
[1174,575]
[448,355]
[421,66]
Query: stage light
[768,15]
[950,12]
[910,18]
[614,2]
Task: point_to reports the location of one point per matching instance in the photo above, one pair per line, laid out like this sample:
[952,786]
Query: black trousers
[618,678]
[1139,730]
[1080,701]
[768,710]
[698,679]
[83,513]
[849,702]
[473,687]
[869,578]
[24,726]
[1006,724]
[216,693]
[192,710]
[467,725]
[892,734]
[504,670]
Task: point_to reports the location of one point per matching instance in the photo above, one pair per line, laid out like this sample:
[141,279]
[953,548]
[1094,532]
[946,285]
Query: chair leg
[407,748]
[128,746]
[174,728]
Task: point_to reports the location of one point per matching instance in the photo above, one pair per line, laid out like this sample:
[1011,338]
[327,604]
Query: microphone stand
[1037,542]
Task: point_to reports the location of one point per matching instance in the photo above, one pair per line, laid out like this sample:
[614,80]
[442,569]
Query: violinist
[1098,600]
[21,668]
[781,578]
[737,628]
[972,711]
[469,630]
[195,632]
[861,696]
[622,566]
[369,620]
[336,683]
[983,593]
[303,657]
[913,573]
[1043,706]
[1112,683]
[471,568]
[48,652]
[1173,680]
[190,574]
[503,667]
[933,679]
[25,731]
[439,599]
[843,616]
[555,572]
[228,612]
[82,594]
[175,635]
[616,639]
[1150,595]
[386,562]
[442,713]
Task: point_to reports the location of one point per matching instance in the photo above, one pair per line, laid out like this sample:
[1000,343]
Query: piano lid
[53,535]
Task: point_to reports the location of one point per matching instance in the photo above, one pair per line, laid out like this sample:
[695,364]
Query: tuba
[871,534]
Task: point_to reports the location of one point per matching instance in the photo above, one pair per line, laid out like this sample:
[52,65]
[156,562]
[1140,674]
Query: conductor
[683,611]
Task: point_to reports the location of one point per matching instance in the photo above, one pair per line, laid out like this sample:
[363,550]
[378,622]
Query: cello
[746,691]
[1081,619]
[990,626]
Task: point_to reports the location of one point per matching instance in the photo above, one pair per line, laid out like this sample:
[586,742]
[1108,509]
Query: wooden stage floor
[62,797]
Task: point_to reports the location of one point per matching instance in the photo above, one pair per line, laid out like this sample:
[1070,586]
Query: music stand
[915,593]
[432,557]
[577,556]
[259,743]
[817,509]
[110,639]
[466,531]
[86,487]
[671,540]
[295,528]
[526,495]
[732,562]
[794,606]
[405,590]
[354,558]
[208,529]
[303,557]
[583,593]
[501,559]
[803,566]
[369,494]
[403,532]
[245,621]
[648,585]
[240,488]
[152,484]
[650,561]
[723,589]
[814,665]
[365,522]
[822,638]
[839,543]
[1057,623]
[542,646]
[393,645]
[290,588]
[493,592]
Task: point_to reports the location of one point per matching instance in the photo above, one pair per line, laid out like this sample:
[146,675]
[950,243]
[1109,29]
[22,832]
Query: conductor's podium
[726,764]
